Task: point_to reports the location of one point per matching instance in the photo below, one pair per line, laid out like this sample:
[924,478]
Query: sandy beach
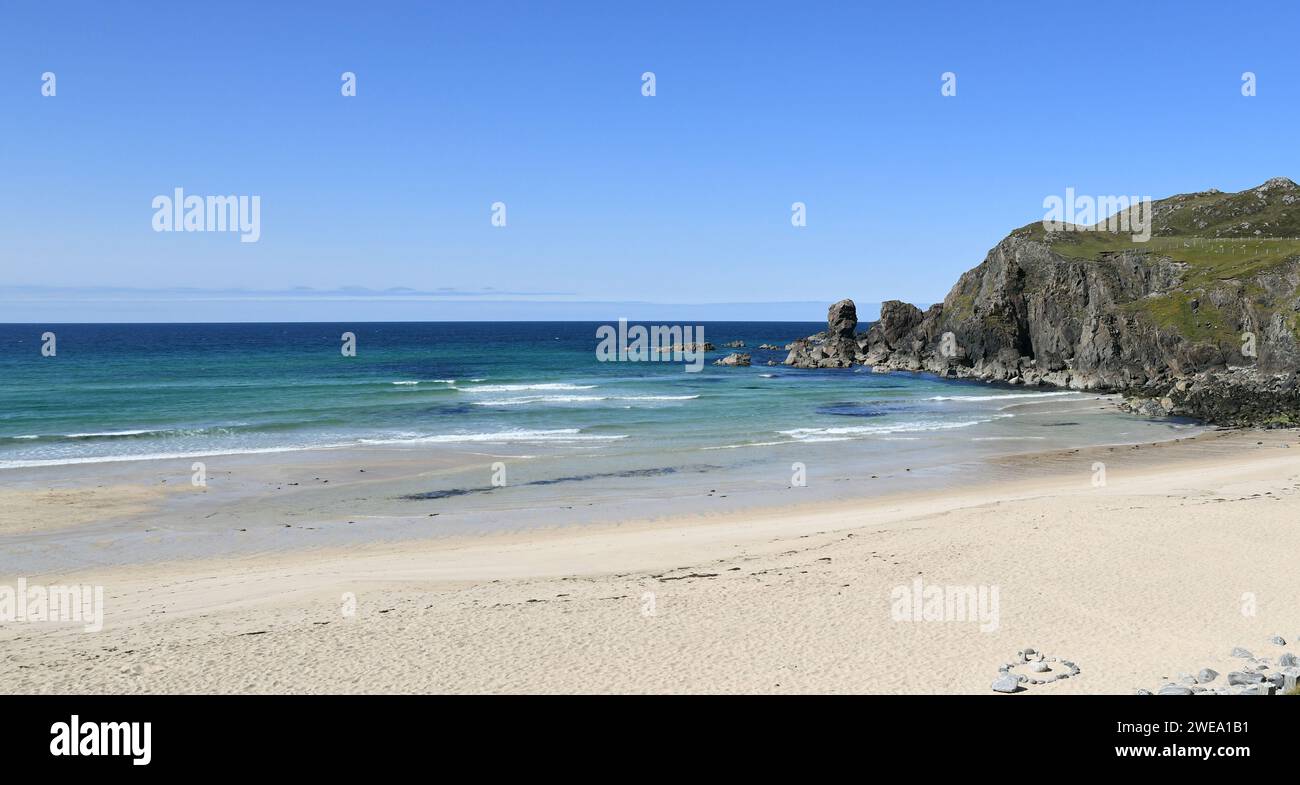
[1184,552]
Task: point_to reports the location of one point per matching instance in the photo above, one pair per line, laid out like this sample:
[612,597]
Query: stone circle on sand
[1032,668]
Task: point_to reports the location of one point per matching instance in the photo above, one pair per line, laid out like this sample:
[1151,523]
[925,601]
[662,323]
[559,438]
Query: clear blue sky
[611,196]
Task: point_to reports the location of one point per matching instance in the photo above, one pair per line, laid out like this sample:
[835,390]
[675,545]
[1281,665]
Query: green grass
[1209,259]
[1174,310]
[1218,237]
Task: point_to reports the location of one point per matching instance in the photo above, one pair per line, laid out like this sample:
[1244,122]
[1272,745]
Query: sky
[683,198]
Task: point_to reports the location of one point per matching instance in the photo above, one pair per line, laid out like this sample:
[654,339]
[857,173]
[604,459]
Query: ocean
[134,392]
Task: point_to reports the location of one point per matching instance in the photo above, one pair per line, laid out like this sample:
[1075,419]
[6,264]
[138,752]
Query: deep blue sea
[149,391]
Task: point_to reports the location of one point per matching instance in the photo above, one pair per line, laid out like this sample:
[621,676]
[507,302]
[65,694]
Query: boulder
[735,359]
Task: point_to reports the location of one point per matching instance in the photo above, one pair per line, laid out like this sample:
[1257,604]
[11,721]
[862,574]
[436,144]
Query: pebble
[1039,667]
[1277,640]
[1237,651]
[1207,675]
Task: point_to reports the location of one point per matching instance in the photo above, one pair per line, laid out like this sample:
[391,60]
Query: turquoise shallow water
[114,392]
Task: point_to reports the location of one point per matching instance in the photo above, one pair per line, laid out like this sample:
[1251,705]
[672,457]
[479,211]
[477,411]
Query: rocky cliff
[1202,319]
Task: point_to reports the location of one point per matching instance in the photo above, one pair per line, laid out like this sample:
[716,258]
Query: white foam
[746,444]
[837,434]
[526,387]
[154,456]
[544,399]
[519,435]
[559,435]
[999,397]
[108,434]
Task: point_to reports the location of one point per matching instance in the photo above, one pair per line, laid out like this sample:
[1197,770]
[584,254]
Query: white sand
[1136,582]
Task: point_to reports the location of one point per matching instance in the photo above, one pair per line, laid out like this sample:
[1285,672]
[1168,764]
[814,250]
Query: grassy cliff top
[1218,235]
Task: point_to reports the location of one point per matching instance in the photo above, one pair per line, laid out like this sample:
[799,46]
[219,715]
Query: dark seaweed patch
[652,472]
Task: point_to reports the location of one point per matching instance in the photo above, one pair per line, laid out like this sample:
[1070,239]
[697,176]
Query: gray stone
[1244,679]
[1174,689]
[735,358]
[1277,640]
[1008,683]
[1207,675]
[1287,660]
[1142,692]
[1237,651]
[1039,667]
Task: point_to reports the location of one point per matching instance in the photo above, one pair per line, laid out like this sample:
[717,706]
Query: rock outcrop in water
[838,347]
[1201,320]
[739,359]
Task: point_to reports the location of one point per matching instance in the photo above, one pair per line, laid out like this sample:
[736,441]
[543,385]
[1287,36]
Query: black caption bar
[141,735]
